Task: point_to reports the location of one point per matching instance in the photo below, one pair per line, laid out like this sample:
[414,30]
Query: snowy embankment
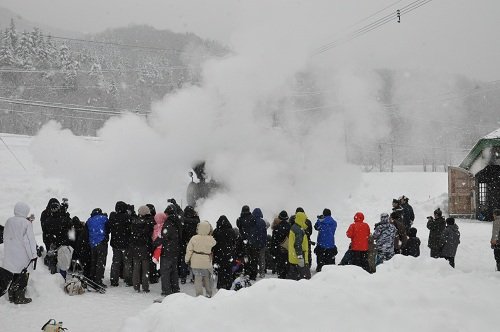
[408,294]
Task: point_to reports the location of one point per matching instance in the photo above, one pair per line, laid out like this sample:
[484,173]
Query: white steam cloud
[270,149]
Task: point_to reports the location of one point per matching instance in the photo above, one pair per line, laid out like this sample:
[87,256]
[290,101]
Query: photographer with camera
[56,223]
[436,226]
[325,250]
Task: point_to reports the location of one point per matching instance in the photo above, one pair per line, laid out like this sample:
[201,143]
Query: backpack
[53,326]
[64,255]
[73,286]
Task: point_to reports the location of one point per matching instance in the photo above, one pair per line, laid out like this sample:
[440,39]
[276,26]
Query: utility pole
[380,157]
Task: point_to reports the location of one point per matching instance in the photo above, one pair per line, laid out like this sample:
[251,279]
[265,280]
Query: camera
[171,200]
[320,216]
[64,204]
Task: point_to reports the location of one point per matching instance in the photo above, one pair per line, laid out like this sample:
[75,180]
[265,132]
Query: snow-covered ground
[405,294]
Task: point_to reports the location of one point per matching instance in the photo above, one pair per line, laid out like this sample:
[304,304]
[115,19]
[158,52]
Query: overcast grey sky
[450,36]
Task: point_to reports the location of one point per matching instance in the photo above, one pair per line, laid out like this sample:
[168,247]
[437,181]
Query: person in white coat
[199,257]
[19,250]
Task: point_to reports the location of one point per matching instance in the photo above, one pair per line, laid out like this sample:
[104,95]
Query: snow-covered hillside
[406,294]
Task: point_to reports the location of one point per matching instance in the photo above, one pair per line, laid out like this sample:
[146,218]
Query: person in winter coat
[171,235]
[495,237]
[401,237]
[199,257]
[384,236]
[97,227]
[325,250]
[248,228]
[141,230]
[82,248]
[449,241]
[159,221]
[412,246]
[119,227]
[436,226]
[408,215]
[279,243]
[56,223]
[372,254]
[261,240]
[190,221]
[224,252]
[19,250]
[298,249]
[309,229]
[358,232]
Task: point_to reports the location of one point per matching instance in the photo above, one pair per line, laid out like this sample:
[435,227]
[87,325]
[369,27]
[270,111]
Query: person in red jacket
[358,232]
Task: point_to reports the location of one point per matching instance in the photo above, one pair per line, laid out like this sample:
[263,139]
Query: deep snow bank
[406,294]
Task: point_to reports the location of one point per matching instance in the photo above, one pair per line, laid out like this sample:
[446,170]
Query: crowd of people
[175,246]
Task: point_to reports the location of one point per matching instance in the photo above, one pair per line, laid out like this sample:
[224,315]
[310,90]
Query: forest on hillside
[81,83]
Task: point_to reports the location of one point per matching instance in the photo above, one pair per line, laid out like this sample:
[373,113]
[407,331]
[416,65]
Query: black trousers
[141,274]
[19,283]
[451,260]
[98,257]
[360,258]
[121,265]
[281,259]
[324,256]
[169,275]
[224,275]
[496,253]
[296,272]
[253,261]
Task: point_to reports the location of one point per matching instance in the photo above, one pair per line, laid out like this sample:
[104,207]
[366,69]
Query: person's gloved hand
[301,262]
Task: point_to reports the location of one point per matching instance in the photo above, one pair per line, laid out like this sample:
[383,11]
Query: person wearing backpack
[19,251]
[298,249]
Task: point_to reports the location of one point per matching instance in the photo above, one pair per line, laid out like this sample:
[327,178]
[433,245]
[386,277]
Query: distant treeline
[81,83]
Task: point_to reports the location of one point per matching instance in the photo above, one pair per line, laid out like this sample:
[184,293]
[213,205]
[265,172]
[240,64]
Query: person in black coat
[408,214]
[247,225]
[171,235]
[190,221]
[81,246]
[141,230]
[224,252]
[56,223]
[119,226]
[412,245]
[279,243]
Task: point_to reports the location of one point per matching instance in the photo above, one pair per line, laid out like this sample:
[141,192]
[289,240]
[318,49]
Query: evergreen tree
[25,51]
[6,51]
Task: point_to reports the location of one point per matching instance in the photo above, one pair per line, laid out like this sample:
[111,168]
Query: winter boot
[498,266]
[19,297]
[12,294]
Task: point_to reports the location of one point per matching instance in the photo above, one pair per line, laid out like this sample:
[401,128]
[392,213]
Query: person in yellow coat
[298,249]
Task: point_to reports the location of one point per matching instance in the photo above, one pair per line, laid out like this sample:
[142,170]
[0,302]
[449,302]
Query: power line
[110,70]
[144,47]
[372,26]
[66,107]
[54,115]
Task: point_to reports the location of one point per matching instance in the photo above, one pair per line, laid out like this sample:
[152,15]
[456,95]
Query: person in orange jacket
[358,232]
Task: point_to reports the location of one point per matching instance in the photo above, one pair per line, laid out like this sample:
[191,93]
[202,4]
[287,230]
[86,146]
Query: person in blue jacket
[325,247]
[98,230]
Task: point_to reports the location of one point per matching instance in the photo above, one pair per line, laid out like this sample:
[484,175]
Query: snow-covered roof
[493,134]
[490,140]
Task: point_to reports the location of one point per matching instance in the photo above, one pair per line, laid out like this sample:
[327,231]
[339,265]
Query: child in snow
[159,221]
[412,246]
[199,256]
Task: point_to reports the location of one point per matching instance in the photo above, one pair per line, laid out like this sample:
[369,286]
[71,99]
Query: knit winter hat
[450,221]
[412,232]
[358,217]
[95,212]
[299,209]
[394,200]
[327,212]
[384,217]
[283,215]
[438,212]
[144,211]
[245,209]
